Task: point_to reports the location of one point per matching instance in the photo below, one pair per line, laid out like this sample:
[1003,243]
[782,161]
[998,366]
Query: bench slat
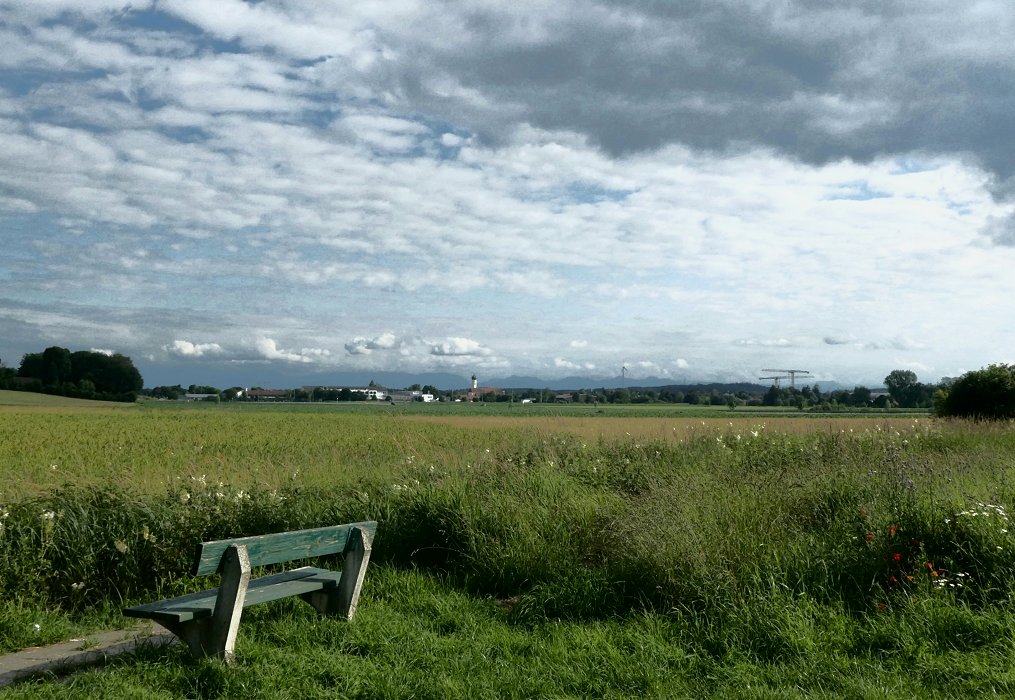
[281,547]
[196,606]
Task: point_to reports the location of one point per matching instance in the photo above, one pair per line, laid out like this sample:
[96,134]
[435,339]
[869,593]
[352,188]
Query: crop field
[553,554]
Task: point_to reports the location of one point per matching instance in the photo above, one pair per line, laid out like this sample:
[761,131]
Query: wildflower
[121,546]
[869,537]
[891,530]
[4,513]
[184,496]
[896,557]
[48,515]
[36,628]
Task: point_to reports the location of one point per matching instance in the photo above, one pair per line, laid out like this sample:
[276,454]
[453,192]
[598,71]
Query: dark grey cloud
[1002,231]
[817,81]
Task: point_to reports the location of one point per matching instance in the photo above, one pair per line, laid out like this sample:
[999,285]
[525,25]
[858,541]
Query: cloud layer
[694,190]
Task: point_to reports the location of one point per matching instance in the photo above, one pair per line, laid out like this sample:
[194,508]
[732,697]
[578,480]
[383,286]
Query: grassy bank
[737,558]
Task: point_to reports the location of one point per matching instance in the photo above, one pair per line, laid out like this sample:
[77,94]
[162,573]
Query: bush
[986,394]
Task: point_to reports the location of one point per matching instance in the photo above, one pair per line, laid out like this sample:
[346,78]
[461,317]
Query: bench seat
[208,621]
[200,605]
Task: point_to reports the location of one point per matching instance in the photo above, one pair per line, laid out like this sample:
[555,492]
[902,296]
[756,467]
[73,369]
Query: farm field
[17,400]
[592,555]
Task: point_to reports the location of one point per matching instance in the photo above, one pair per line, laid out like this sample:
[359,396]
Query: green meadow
[602,553]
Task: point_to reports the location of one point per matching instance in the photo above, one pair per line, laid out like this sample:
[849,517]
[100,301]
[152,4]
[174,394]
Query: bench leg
[342,600]
[216,636]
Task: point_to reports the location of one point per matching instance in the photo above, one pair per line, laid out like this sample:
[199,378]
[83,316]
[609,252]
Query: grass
[417,635]
[24,399]
[518,558]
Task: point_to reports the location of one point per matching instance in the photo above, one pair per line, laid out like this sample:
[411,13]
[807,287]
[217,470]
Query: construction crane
[790,374]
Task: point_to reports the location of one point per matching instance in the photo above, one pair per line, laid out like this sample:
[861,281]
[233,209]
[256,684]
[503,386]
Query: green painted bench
[208,621]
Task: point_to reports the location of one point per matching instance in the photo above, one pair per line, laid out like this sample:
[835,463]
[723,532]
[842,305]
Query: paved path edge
[73,654]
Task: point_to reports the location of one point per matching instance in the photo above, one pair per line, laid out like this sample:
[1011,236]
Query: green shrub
[987,394]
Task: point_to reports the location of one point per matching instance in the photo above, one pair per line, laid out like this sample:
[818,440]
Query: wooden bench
[208,621]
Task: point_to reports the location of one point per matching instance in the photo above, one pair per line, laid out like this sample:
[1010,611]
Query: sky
[694,191]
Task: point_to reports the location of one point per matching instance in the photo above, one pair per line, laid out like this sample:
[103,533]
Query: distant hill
[654,383]
[734,388]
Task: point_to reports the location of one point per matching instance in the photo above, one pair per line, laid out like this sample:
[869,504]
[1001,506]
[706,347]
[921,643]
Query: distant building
[198,397]
[476,392]
[376,393]
[268,394]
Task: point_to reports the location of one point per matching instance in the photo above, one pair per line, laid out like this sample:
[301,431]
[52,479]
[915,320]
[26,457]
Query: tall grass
[680,562]
[560,527]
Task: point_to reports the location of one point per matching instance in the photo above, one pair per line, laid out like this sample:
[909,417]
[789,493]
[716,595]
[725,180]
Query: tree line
[988,393]
[84,374]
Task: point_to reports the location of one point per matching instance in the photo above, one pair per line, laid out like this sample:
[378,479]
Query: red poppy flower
[869,537]
[896,556]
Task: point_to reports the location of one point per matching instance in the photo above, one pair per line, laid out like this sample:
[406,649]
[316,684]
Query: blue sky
[691,190]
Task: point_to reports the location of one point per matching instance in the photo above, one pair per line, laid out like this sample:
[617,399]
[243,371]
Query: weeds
[759,546]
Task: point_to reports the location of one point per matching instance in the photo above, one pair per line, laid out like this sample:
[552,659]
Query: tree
[31,365]
[56,366]
[987,394]
[114,375]
[861,396]
[902,387]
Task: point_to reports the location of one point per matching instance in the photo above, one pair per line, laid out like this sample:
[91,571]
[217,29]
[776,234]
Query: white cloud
[364,346]
[459,346]
[269,350]
[108,353]
[561,363]
[185,348]
[765,342]
[451,173]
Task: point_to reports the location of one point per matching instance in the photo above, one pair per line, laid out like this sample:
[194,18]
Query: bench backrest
[280,547]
